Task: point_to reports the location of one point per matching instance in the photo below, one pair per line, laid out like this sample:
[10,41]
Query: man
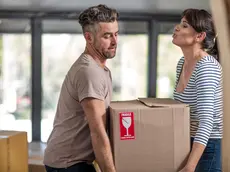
[79,133]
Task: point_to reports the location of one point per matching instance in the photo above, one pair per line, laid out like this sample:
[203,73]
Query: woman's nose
[177,27]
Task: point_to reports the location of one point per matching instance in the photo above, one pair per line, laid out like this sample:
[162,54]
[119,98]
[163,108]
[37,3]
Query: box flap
[4,137]
[161,102]
[9,133]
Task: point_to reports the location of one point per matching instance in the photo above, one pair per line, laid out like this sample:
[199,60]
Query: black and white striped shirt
[204,95]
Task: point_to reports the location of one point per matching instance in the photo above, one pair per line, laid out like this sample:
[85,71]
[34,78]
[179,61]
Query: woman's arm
[194,157]
[208,76]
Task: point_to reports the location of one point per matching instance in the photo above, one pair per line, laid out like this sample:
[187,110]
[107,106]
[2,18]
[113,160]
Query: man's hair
[95,14]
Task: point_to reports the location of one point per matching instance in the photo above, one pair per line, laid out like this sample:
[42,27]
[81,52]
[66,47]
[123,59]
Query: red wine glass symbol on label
[126,121]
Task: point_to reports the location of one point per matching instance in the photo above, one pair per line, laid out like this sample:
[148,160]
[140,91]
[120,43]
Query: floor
[36,152]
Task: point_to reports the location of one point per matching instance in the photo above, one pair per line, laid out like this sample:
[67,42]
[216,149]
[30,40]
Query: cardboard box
[149,135]
[13,151]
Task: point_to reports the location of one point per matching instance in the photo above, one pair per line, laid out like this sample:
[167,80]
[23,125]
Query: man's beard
[106,54]
[109,55]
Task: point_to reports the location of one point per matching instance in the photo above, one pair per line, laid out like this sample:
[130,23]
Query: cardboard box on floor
[149,135]
[13,151]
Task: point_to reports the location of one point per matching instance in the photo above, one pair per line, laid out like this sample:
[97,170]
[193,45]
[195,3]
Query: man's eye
[107,36]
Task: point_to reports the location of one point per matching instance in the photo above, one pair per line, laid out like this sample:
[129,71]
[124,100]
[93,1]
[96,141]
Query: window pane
[15,86]
[168,56]
[57,49]
[129,67]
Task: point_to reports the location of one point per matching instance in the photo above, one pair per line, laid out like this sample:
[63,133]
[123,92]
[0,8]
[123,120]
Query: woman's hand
[187,169]
[194,157]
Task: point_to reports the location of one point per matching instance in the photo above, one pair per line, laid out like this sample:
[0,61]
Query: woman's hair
[202,21]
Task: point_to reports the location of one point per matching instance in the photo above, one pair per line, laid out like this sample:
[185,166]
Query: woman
[199,84]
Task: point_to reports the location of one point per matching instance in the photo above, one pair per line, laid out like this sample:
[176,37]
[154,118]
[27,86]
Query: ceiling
[152,6]
[61,6]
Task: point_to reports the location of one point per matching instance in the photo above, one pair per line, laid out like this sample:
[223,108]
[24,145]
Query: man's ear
[200,37]
[89,37]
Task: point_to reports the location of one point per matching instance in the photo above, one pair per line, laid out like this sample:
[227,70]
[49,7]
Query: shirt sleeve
[207,78]
[90,83]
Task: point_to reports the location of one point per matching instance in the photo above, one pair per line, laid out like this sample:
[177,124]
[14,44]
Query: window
[129,67]
[168,57]
[15,82]
[59,53]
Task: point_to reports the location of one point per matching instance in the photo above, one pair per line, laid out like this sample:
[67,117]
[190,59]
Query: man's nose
[114,40]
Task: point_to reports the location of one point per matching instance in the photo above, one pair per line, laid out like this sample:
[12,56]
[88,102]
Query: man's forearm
[103,152]
[96,115]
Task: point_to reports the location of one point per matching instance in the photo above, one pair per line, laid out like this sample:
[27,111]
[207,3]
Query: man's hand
[96,115]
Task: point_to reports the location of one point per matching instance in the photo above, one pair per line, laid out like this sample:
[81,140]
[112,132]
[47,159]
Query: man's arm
[96,115]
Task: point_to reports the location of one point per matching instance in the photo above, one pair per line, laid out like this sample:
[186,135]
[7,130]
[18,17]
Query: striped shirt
[204,95]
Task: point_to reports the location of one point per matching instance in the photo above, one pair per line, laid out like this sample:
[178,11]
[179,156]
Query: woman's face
[184,35]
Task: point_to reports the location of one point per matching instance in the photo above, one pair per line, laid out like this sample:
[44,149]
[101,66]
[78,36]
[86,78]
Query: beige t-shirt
[70,141]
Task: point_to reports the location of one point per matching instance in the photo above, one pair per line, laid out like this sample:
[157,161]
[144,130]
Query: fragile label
[127,126]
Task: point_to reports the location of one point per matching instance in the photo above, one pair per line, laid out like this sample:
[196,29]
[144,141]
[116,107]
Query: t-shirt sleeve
[90,83]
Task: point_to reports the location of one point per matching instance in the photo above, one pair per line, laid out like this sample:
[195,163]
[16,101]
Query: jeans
[210,160]
[79,167]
